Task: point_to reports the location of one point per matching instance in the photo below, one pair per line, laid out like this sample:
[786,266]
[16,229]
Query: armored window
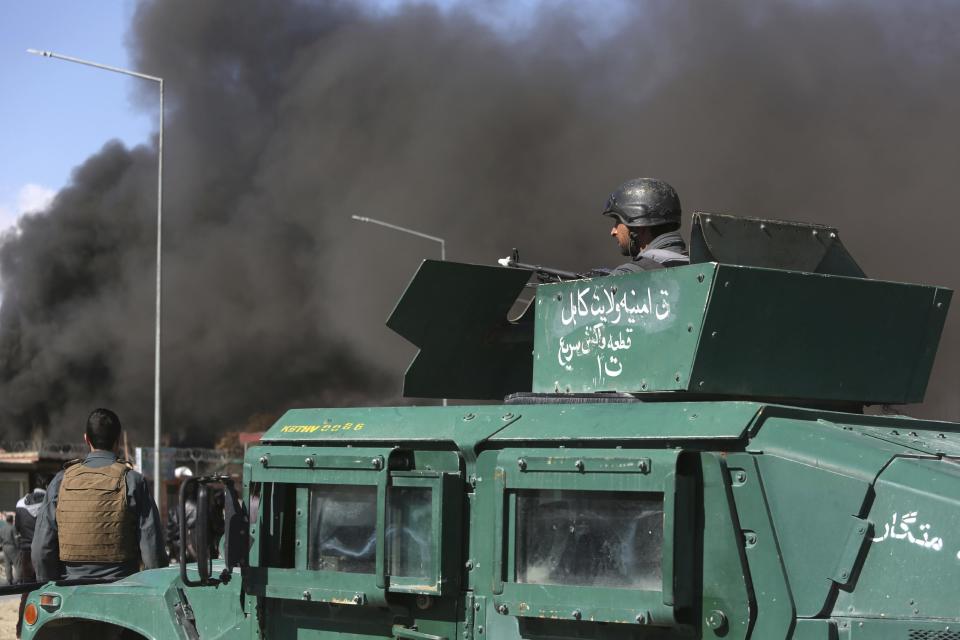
[343,528]
[589,538]
[355,523]
[591,531]
[409,534]
[418,556]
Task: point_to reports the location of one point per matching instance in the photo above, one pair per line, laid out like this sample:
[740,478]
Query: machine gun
[549,274]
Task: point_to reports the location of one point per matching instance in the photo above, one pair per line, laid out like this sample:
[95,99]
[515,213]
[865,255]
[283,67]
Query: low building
[27,465]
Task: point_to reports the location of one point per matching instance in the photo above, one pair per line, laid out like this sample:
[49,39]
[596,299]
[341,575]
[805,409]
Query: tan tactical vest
[93,519]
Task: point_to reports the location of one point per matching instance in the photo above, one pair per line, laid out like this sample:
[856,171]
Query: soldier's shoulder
[134,477]
[642,264]
[627,267]
[57,479]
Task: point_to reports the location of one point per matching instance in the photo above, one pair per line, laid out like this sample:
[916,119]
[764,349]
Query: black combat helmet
[644,202]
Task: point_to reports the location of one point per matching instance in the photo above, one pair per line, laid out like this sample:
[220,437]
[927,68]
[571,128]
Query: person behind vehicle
[215,524]
[25,522]
[28,508]
[8,546]
[98,519]
[646,214]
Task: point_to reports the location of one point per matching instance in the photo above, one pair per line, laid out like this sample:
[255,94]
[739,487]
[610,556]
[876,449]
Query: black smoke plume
[286,117]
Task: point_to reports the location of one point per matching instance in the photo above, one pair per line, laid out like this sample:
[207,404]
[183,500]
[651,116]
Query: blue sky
[54,114]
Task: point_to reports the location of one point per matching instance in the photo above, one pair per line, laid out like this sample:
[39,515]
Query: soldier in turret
[646,214]
[98,519]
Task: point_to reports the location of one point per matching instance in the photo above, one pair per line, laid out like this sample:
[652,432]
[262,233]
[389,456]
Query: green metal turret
[768,310]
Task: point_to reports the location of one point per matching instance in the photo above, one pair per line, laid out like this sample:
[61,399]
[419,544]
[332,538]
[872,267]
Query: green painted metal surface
[818,337]
[815,630]
[625,333]
[739,331]
[775,611]
[147,604]
[913,559]
[813,532]
[763,507]
[758,242]
[725,574]
[468,348]
[679,421]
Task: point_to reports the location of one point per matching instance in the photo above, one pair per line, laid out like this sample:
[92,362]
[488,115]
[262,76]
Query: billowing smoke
[286,117]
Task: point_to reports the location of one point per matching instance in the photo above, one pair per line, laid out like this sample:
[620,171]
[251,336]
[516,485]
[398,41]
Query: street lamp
[156,371]
[419,234]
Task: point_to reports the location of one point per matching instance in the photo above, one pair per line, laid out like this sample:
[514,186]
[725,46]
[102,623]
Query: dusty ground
[8,617]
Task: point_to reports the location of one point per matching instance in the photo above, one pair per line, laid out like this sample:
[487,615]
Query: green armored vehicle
[679,453]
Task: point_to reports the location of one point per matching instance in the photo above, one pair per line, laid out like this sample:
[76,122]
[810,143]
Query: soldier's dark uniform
[666,250]
[648,202]
[97,521]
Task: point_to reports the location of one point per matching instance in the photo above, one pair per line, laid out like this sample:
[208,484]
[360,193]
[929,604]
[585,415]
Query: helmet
[644,202]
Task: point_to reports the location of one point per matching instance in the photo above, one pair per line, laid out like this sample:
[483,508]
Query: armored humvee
[680,453]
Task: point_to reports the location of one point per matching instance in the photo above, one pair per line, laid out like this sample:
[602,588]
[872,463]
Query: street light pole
[419,234]
[156,370]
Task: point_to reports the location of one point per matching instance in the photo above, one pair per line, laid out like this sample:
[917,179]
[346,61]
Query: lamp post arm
[97,65]
[396,227]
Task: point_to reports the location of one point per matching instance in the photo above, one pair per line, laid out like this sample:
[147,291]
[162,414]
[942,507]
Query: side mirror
[235,531]
[201,534]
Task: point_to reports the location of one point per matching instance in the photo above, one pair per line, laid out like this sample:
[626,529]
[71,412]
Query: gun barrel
[559,274]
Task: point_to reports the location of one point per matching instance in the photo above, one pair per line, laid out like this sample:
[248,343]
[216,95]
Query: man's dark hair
[103,429]
[10,518]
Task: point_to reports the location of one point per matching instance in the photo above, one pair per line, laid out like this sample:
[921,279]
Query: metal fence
[198,459]
[45,449]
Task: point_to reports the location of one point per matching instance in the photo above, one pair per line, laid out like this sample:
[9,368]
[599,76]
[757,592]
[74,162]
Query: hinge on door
[185,618]
[469,617]
[852,551]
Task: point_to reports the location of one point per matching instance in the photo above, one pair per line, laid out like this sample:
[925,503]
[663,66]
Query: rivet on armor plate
[716,619]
